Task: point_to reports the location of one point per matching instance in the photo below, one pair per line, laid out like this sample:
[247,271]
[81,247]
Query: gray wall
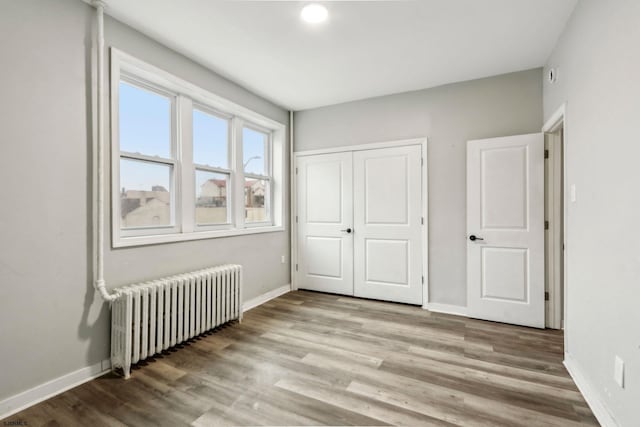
[51,321]
[598,62]
[449,116]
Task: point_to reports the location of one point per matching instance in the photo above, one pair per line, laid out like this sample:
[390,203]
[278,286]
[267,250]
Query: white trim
[559,117]
[553,235]
[456,310]
[425,214]
[126,242]
[360,147]
[597,405]
[267,296]
[293,256]
[238,197]
[39,393]
[185,198]
[423,142]
[49,389]
[555,120]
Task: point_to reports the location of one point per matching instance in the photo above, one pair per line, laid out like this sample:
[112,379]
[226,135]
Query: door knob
[348,230]
[473,238]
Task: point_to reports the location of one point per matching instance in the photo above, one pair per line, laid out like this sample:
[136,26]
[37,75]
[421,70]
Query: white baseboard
[37,394]
[593,399]
[261,299]
[18,402]
[457,310]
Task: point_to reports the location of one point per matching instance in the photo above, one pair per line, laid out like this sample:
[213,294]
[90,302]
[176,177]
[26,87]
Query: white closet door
[325,213]
[387,224]
[505,225]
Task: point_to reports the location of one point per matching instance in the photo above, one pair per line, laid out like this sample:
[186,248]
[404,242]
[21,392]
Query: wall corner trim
[267,296]
[456,310]
[593,399]
[39,393]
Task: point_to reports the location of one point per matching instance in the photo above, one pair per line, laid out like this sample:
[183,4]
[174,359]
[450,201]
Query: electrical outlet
[618,372]
[282,259]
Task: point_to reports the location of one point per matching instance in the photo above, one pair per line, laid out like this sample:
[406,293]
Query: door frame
[559,119]
[423,142]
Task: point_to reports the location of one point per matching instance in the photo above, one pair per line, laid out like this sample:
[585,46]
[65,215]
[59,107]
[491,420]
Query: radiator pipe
[99,120]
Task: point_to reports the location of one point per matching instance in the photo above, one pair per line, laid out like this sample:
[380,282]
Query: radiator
[151,317]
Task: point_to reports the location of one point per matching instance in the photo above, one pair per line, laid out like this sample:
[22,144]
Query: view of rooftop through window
[211,197]
[255,148]
[145,132]
[145,127]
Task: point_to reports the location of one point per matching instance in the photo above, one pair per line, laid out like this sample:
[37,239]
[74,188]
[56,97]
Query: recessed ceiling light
[314,13]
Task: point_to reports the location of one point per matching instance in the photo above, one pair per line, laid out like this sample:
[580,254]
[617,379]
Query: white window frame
[229,170]
[268,201]
[175,213]
[186,97]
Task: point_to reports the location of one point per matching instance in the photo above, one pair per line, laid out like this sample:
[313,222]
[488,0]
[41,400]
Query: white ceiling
[365,49]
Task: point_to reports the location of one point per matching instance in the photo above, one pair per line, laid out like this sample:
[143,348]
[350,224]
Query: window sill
[130,241]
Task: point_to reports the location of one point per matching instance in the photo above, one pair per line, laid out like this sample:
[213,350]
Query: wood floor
[314,359]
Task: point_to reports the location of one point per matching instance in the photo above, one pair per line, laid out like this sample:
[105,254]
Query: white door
[387,224]
[505,229]
[325,217]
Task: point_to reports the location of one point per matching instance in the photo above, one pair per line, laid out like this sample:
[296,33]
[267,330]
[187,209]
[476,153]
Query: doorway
[516,228]
[361,221]
[555,274]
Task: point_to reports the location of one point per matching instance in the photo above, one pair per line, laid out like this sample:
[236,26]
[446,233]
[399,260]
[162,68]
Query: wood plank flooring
[308,358]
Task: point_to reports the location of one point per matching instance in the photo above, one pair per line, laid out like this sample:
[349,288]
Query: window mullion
[185,156]
[116,180]
[269,199]
[238,175]
[144,158]
[212,169]
[254,176]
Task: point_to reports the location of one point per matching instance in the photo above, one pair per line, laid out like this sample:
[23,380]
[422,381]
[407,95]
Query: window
[256,165]
[147,161]
[212,167]
[190,165]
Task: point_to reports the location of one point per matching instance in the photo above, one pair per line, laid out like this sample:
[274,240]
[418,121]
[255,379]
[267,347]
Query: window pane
[254,148]
[211,197]
[145,198]
[255,192]
[210,140]
[145,122]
